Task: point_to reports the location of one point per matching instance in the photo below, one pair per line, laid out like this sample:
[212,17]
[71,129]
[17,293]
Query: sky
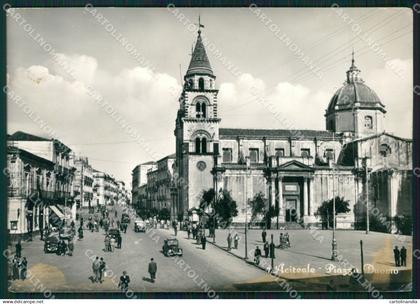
[249,56]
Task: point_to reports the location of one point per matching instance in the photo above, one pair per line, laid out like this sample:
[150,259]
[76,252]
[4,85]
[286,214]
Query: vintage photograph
[209,150]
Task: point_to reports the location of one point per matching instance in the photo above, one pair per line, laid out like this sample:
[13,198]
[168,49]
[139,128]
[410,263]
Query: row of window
[201,85]
[254,154]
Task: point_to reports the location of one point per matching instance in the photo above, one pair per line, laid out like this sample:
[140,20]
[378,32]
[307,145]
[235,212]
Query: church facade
[296,170]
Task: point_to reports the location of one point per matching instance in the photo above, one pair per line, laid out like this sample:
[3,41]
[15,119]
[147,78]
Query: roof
[354,93]
[228,132]
[22,136]
[379,135]
[170,156]
[28,155]
[199,63]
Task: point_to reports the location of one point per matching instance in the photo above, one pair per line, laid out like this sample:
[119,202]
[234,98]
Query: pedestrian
[403,256]
[18,248]
[236,240]
[281,241]
[113,242]
[124,280]
[266,249]
[70,246]
[119,240]
[194,231]
[102,267]
[116,213]
[95,268]
[101,222]
[152,270]
[23,267]
[80,233]
[229,241]
[119,225]
[96,226]
[125,227]
[188,231]
[264,235]
[397,256]
[72,224]
[15,263]
[257,255]
[203,241]
[287,240]
[107,243]
[63,246]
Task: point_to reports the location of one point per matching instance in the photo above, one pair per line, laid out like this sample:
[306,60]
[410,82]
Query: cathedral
[296,170]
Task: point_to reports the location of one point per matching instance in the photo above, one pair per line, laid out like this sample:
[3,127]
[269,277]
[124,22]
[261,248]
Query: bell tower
[196,130]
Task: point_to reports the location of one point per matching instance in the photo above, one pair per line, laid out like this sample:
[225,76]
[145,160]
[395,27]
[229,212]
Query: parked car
[139,226]
[114,233]
[66,233]
[51,244]
[171,248]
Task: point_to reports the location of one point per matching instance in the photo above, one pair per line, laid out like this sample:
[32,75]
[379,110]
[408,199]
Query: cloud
[248,103]
[144,99]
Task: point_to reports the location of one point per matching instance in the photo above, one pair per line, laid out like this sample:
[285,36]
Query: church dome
[355,94]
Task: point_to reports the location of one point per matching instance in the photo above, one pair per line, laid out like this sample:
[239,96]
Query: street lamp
[334,241]
[246,206]
[367,192]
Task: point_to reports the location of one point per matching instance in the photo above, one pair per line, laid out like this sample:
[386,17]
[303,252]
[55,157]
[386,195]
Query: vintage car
[66,233]
[51,244]
[114,233]
[139,226]
[171,248]
[125,218]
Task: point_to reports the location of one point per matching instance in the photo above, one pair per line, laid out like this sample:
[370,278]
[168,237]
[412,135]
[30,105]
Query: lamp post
[365,163]
[334,241]
[246,206]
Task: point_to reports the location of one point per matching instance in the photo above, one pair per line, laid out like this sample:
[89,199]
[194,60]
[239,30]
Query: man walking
[152,270]
[236,240]
[95,268]
[229,241]
[119,241]
[266,249]
[203,241]
[124,280]
[264,235]
[102,266]
[397,256]
[403,256]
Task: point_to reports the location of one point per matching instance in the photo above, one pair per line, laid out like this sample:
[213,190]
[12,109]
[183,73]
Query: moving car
[125,218]
[51,244]
[171,248]
[139,226]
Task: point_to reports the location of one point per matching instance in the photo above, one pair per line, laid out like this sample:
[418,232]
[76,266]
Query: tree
[164,214]
[260,208]
[325,211]
[225,209]
[207,199]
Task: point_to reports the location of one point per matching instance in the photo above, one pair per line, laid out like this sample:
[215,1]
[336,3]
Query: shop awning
[57,212]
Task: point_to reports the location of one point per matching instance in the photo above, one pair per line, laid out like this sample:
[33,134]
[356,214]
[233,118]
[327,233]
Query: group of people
[400,256]
[235,240]
[64,248]
[19,264]
[112,242]
[98,267]
[284,240]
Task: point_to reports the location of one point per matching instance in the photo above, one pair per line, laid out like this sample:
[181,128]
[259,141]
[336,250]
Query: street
[202,270]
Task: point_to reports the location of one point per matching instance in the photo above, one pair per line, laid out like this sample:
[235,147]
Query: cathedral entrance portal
[291,212]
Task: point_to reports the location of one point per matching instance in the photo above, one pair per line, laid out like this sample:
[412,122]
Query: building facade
[139,178]
[105,189]
[160,182]
[297,170]
[83,182]
[41,176]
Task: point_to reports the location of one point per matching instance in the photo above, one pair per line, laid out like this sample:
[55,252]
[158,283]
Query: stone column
[305,196]
[311,197]
[273,191]
[280,196]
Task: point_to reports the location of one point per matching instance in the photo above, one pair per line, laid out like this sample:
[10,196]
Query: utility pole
[246,206]
[361,258]
[365,163]
[334,241]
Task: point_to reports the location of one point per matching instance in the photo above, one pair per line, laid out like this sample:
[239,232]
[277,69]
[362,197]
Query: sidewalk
[309,256]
